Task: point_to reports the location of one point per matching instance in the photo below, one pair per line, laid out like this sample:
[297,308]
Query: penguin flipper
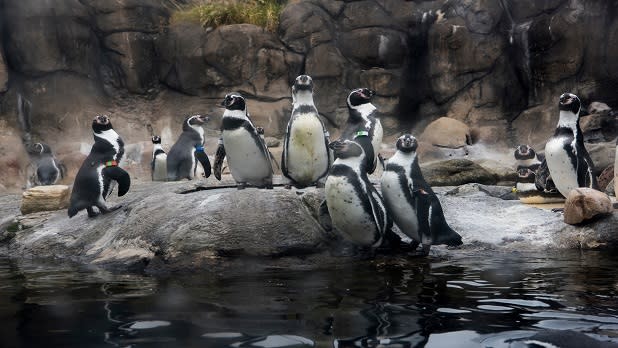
[120,176]
[219,157]
[201,157]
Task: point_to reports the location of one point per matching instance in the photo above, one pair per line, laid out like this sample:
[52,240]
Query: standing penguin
[158,165]
[363,121]
[306,157]
[568,161]
[247,155]
[411,202]
[48,169]
[356,208]
[93,181]
[188,150]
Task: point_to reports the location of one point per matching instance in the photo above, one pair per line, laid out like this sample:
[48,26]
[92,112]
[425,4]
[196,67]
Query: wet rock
[446,132]
[375,46]
[583,204]
[599,234]
[305,25]
[45,198]
[457,172]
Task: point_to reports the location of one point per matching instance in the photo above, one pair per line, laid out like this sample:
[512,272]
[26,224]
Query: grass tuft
[264,13]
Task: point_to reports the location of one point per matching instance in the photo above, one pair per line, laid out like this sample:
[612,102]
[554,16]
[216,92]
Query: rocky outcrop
[457,172]
[184,225]
[584,204]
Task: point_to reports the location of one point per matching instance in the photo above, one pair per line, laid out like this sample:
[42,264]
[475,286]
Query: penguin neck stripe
[111,164]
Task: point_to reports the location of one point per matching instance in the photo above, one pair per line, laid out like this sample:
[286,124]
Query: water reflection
[488,300]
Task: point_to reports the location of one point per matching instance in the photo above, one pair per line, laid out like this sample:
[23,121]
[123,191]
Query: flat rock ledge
[193,224]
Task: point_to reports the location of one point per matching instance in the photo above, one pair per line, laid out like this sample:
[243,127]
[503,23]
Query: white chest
[306,151]
[561,169]
[245,158]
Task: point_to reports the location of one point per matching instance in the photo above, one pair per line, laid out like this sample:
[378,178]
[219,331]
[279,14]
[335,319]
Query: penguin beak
[336,145]
[565,99]
[204,119]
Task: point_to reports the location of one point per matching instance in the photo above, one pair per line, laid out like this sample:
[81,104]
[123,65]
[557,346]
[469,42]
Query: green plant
[264,13]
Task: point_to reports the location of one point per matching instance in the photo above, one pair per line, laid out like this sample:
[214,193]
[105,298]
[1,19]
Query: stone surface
[45,198]
[457,172]
[4,73]
[583,204]
[159,226]
[447,132]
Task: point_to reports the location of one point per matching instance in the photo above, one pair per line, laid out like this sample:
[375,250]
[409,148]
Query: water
[480,299]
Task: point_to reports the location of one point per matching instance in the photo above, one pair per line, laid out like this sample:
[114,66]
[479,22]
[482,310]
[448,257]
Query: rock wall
[496,65]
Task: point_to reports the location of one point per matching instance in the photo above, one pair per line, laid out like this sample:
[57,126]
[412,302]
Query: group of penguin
[566,164]
[358,212]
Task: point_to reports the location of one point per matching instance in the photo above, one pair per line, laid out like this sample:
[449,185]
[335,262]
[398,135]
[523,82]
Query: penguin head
[346,149]
[156,139]
[194,121]
[101,123]
[234,101]
[569,102]
[407,143]
[39,149]
[523,152]
[360,96]
[524,173]
[303,83]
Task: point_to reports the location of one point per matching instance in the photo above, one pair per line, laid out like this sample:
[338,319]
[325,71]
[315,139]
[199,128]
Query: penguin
[247,155]
[93,181]
[363,121]
[158,165]
[356,208]
[306,157]
[568,161]
[529,188]
[188,150]
[411,202]
[48,170]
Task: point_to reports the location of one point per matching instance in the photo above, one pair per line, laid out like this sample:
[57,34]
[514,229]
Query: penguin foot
[320,184]
[268,186]
[557,210]
[241,186]
[91,212]
[287,187]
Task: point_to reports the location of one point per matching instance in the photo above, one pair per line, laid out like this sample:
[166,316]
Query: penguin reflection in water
[188,150]
[46,170]
[93,182]
[355,206]
[411,202]
[242,143]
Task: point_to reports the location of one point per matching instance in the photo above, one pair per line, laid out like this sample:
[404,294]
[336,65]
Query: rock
[599,234]
[534,126]
[134,53]
[305,25]
[598,107]
[598,127]
[446,132]
[584,204]
[45,198]
[606,176]
[374,46]
[603,155]
[610,189]
[456,172]
[202,224]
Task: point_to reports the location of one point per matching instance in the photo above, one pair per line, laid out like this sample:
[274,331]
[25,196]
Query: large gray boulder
[157,220]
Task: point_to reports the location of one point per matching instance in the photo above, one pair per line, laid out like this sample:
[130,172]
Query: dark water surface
[474,299]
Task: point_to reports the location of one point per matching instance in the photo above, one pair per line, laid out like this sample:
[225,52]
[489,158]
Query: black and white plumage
[568,161]
[306,157]
[362,120]
[356,208]
[248,157]
[188,151]
[411,202]
[93,182]
[158,164]
[47,169]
